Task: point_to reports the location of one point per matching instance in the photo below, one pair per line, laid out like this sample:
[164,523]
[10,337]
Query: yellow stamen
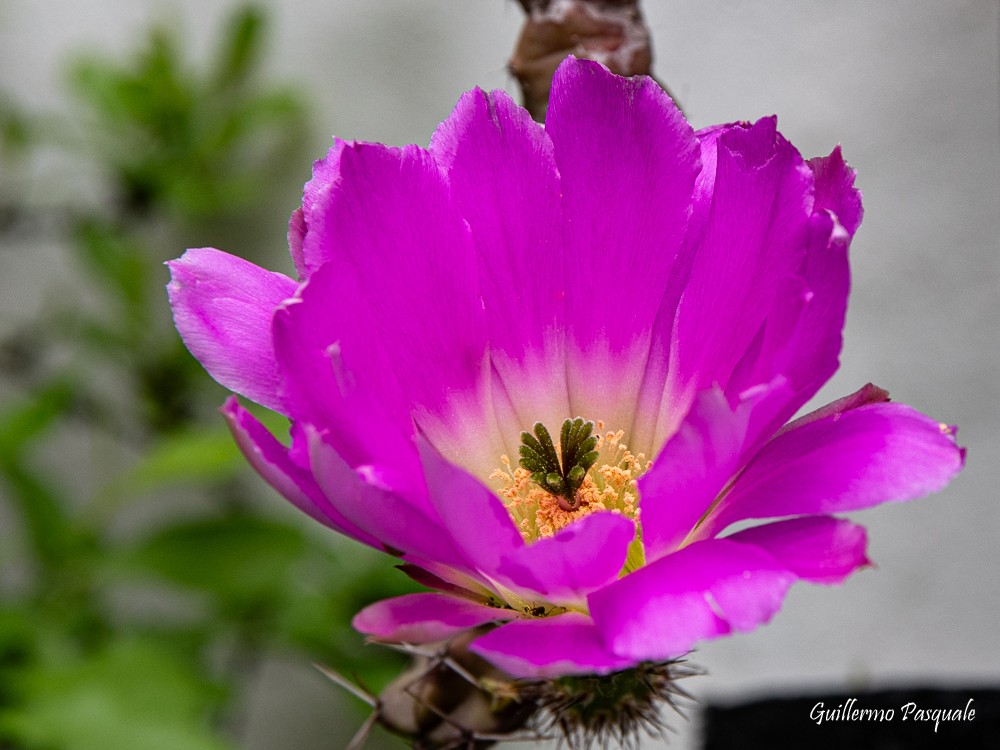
[610,485]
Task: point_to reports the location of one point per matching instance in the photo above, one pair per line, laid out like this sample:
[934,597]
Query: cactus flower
[551,367]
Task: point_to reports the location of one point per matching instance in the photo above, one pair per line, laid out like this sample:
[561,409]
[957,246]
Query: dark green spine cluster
[560,474]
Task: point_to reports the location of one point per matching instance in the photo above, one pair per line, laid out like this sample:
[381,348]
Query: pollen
[609,485]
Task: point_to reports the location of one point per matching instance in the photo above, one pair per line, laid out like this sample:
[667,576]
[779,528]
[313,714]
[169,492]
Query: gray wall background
[909,87]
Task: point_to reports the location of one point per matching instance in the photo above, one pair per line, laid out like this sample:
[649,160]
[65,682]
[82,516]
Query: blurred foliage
[229,580]
[180,141]
[131,693]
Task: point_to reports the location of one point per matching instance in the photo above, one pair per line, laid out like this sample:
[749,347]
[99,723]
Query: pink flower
[682,293]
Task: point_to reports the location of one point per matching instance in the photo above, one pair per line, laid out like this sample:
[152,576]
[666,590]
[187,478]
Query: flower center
[590,470]
[561,475]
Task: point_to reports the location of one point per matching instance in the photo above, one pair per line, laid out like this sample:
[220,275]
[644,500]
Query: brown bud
[612,32]
[442,700]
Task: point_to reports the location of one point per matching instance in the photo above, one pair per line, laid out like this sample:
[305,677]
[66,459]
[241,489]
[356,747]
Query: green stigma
[560,474]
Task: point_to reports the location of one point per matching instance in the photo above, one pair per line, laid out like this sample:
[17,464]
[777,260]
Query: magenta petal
[747,241]
[324,172]
[777,341]
[844,461]
[704,184]
[474,517]
[753,240]
[805,345]
[272,461]
[815,351]
[549,647]
[690,471]
[222,308]
[388,224]
[835,189]
[296,235]
[424,618]
[503,178]
[403,294]
[865,395]
[713,442]
[658,410]
[334,381]
[809,354]
[407,525]
[826,271]
[578,559]
[803,342]
[703,591]
[820,549]
[623,225]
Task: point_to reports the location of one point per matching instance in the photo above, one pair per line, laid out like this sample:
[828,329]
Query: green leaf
[115,260]
[241,47]
[194,457]
[242,560]
[17,647]
[134,694]
[23,421]
[16,128]
[35,498]
[183,140]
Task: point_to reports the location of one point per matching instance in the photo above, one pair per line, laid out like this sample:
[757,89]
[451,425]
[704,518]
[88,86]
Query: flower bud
[612,32]
[440,701]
